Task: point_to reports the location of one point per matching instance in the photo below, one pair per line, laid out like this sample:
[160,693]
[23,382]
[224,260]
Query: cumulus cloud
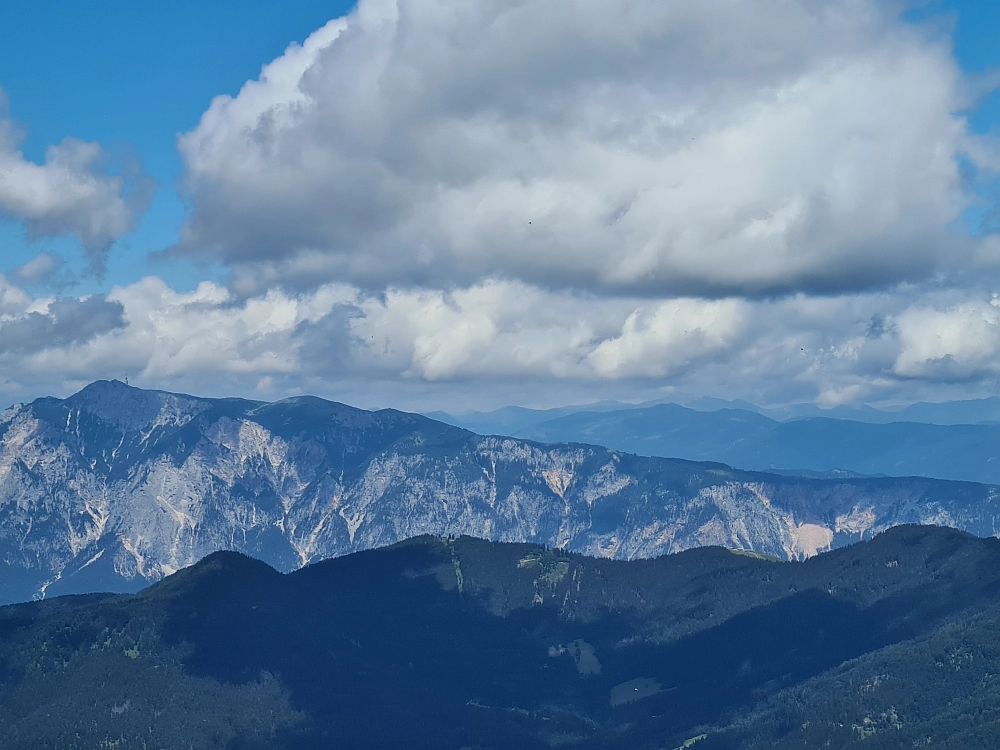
[496,329]
[63,323]
[954,343]
[13,299]
[492,331]
[44,268]
[492,338]
[624,146]
[71,193]
[499,330]
[654,343]
[173,334]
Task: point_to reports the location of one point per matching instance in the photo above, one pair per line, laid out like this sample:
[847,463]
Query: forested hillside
[445,642]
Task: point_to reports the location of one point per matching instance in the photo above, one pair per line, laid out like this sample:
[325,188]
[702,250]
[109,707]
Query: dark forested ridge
[460,643]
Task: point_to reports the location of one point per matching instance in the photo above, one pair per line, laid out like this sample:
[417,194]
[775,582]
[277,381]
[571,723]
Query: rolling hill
[457,642]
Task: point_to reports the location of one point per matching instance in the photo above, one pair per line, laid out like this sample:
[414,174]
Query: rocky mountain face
[116,486]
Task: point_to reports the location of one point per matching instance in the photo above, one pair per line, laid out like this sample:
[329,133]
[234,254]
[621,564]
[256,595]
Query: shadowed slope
[457,642]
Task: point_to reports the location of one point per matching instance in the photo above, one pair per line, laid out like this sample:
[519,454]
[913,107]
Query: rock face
[116,486]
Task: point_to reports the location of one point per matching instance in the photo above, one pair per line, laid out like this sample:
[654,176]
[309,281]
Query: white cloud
[500,330]
[497,338]
[13,299]
[957,342]
[63,322]
[44,268]
[493,330]
[171,334]
[655,343]
[623,146]
[71,193]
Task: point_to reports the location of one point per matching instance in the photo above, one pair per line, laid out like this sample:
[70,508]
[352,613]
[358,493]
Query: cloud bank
[628,147]
[341,341]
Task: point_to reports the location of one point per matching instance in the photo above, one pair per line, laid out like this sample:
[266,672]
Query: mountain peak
[222,570]
[128,407]
[105,386]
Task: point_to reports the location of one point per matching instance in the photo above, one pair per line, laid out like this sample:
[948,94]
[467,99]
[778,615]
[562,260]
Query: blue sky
[132,76]
[973,25]
[377,245]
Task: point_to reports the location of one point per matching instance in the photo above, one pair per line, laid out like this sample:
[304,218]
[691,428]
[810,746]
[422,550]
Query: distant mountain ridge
[966,411]
[115,486]
[813,446]
[512,420]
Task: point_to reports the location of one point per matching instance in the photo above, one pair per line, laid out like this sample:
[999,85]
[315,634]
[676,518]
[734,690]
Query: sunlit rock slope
[116,486]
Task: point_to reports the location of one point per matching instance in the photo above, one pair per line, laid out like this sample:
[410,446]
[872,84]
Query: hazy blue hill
[971,411]
[662,428]
[509,420]
[863,413]
[457,643]
[513,420]
[748,440]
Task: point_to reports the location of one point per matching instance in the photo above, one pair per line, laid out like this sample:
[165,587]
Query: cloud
[44,268]
[630,147]
[159,336]
[71,193]
[64,323]
[173,334]
[13,299]
[958,342]
[504,341]
[655,343]
[493,330]
[505,330]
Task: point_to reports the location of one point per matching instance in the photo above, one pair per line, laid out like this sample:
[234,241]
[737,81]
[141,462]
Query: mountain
[115,486]
[516,420]
[460,643]
[862,413]
[969,452]
[509,420]
[971,411]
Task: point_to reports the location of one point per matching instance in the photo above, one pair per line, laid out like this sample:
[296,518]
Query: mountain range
[813,446]
[511,420]
[460,643]
[116,486]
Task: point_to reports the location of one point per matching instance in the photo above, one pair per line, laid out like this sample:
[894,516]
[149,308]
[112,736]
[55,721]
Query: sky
[430,204]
